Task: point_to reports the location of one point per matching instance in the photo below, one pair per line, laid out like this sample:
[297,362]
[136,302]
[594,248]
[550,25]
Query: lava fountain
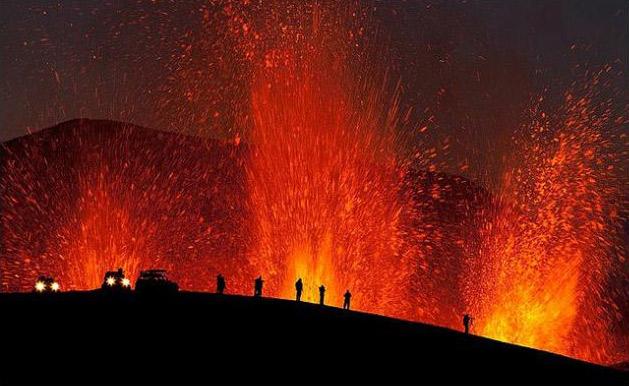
[87,197]
[323,179]
[548,250]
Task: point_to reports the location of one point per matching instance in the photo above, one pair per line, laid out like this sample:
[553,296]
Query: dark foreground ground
[198,337]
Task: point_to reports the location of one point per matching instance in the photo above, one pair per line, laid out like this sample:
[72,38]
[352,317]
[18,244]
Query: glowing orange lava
[322,177]
[549,250]
[104,236]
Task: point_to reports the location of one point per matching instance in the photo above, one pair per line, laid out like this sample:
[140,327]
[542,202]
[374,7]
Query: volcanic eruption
[315,178]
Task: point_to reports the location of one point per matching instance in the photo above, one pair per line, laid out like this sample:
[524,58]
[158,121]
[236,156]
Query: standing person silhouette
[347,297]
[257,289]
[321,294]
[299,287]
[220,284]
[467,320]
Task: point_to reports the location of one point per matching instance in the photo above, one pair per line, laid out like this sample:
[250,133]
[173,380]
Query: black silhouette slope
[90,337]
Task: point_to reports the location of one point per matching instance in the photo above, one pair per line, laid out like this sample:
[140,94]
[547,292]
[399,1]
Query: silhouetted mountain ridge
[212,338]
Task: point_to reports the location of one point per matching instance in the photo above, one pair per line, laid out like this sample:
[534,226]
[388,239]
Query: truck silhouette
[115,281]
[155,282]
[46,284]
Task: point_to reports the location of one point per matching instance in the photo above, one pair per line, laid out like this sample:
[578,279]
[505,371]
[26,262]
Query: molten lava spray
[87,197]
[549,250]
[323,182]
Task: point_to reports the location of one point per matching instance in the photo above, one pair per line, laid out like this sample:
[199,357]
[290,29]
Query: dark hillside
[89,337]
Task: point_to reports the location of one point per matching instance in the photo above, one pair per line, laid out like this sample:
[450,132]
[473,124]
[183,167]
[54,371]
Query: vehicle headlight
[54,286]
[40,286]
[111,281]
[126,282]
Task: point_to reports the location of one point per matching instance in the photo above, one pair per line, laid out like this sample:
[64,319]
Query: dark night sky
[95,59]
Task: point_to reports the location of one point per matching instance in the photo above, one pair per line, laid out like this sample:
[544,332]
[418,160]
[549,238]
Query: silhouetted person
[467,320]
[220,284]
[347,297]
[321,294]
[299,288]
[257,291]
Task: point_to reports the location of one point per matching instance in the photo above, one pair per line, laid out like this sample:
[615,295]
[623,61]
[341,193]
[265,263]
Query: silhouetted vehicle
[347,297]
[46,284]
[115,281]
[220,284]
[257,288]
[321,294]
[155,282]
[467,321]
[299,288]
